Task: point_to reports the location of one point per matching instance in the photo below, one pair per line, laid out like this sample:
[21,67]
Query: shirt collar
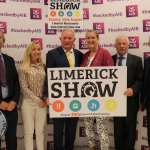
[71,51]
[37,65]
[125,55]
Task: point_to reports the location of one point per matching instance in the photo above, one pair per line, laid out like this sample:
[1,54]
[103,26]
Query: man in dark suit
[9,95]
[145,96]
[125,127]
[58,58]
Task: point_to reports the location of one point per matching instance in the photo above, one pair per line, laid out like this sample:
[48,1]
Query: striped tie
[69,59]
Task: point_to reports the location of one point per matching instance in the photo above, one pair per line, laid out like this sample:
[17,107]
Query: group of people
[31,81]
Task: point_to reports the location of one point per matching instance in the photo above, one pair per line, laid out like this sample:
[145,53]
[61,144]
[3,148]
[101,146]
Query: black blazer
[12,80]
[56,58]
[134,79]
[145,98]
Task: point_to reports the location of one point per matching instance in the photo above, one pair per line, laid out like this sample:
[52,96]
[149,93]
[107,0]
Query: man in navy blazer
[125,127]
[57,58]
[9,97]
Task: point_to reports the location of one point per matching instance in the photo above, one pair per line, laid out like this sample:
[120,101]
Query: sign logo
[134,42]
[3,27]
[45,2]
[49,31]
[99,27]
[110,105]
[35,13]
[58,106]
[146,25]
[132,11]
[146,54]
[82,43]
[97,1]
[39,40]
[75,105]
[2,0]
[93,105]
[85,13]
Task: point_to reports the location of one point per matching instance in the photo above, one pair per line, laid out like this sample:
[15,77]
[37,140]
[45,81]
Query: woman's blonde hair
[27,56]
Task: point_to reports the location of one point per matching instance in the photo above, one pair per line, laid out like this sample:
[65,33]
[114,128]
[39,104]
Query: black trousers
[125,131]
[148,124]
[10,135]
[70,125]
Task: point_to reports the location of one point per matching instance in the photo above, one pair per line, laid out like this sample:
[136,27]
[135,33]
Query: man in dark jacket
[125,127]
[9,95]
[58,58]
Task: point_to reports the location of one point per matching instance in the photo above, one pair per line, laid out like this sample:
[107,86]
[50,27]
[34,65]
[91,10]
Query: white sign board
[87,91]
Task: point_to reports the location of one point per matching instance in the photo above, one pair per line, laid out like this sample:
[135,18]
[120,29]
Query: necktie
[120,60]
[69,59]
[2,73]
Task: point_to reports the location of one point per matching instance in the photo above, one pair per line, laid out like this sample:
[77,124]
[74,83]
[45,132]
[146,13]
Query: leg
[40,121]
[101,123]
[130,128]
[70,132]
[28,115]
[89,131]
[10,135]
[119,125]
[58,133]
[148,124]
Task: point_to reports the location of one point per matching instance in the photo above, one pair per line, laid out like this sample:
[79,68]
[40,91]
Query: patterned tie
[69,59]
[120,60]
[3,81]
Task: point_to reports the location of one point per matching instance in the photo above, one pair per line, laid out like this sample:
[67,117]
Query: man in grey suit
[125,127]
[58,58]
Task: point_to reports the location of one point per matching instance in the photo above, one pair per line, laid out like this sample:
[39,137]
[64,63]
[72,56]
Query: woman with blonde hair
[32,79]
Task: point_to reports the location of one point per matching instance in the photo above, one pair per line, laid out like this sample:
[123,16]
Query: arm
[15,87]
[137,86]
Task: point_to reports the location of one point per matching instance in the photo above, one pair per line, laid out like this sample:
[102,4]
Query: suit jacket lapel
[75,58]
[129,60]
[63,57]
[115,59]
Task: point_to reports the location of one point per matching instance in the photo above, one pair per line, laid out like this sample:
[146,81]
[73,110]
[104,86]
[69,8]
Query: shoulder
[78,52]
[131,56]
[56,50]
[105,51]
[7,57]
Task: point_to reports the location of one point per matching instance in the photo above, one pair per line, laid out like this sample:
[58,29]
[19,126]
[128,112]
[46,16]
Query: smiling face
[36,53]
[67,39]
[92,40]
[122,45]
